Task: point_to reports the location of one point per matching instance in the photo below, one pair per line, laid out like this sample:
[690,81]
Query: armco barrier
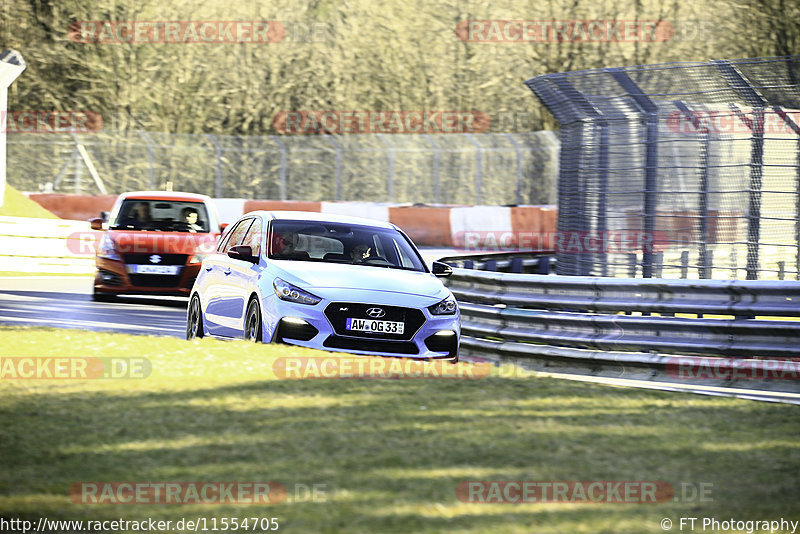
[586,324]
[46,245]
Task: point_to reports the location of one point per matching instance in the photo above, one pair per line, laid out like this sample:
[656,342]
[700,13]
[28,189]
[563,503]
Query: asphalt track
[66,302]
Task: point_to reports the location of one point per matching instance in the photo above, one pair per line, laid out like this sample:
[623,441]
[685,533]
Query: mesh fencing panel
[687,170]
[445,168]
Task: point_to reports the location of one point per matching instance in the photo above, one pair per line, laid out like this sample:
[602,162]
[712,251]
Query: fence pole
[390,156]
[478,168]
[796,129]
[518,150]
[338,148]
[76,158]
[149,158]
[584,266]
[218,150]
[746,90]
[436,163]
[705,258]
[284,159]
[650,112]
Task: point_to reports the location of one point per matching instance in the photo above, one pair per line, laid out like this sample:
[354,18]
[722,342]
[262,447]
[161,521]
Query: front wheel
[194,319]
[252,322]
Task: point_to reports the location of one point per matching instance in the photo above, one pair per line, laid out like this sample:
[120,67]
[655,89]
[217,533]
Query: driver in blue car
[360,253]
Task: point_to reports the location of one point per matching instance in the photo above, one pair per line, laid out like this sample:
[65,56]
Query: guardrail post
[632,265]
[685,264]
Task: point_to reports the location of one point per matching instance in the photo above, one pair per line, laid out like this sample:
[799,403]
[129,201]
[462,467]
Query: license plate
[155,269]
[370,325]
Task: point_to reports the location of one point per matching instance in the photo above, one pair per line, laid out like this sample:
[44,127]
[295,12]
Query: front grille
[155,280]
[371,345]
[338,313]
[144,259]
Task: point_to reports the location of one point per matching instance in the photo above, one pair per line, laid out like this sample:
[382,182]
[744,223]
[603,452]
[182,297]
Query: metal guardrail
[538,262]
[588,322]
[54,246]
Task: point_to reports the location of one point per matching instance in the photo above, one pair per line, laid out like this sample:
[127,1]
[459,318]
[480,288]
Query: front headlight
[198,258]
[107,250]
[446,307]
[292,293]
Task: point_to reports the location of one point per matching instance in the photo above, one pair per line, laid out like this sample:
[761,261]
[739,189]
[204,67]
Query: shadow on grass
[390,453]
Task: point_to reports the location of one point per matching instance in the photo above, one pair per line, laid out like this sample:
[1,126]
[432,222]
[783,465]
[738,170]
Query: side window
[253,237]
[235,235]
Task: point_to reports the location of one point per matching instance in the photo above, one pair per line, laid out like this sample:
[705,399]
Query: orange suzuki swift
[154,243]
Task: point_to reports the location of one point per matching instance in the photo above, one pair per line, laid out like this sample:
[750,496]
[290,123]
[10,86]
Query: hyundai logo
[376,313]
[155,258]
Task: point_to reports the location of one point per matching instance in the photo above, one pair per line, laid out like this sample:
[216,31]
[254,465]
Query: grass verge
[388,454]
[15,204]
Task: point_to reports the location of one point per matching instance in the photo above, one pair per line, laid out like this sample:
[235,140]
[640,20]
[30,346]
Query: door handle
[228,271]
[208,269]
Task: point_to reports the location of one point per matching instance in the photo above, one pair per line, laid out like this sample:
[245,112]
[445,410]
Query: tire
[194,319]
[252,322]
[103,297]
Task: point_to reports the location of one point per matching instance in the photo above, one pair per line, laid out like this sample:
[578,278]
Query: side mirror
[104,216]
[96,223]
[242,252]
[222,227]
[442,270]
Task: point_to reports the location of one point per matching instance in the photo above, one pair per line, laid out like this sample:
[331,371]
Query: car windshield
[328,242]
[161,215]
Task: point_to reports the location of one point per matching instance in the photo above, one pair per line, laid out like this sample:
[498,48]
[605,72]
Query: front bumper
[308,326]
[112,278]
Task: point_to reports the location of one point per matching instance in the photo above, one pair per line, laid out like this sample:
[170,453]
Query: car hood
[320,275]
[132,242]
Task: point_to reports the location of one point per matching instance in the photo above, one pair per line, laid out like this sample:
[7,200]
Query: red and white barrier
[433,226]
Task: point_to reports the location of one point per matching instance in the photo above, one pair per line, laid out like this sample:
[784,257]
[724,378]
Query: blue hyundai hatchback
[327,282]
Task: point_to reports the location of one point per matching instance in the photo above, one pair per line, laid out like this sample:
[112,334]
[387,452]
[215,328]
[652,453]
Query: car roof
[321,217]
[165,195]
